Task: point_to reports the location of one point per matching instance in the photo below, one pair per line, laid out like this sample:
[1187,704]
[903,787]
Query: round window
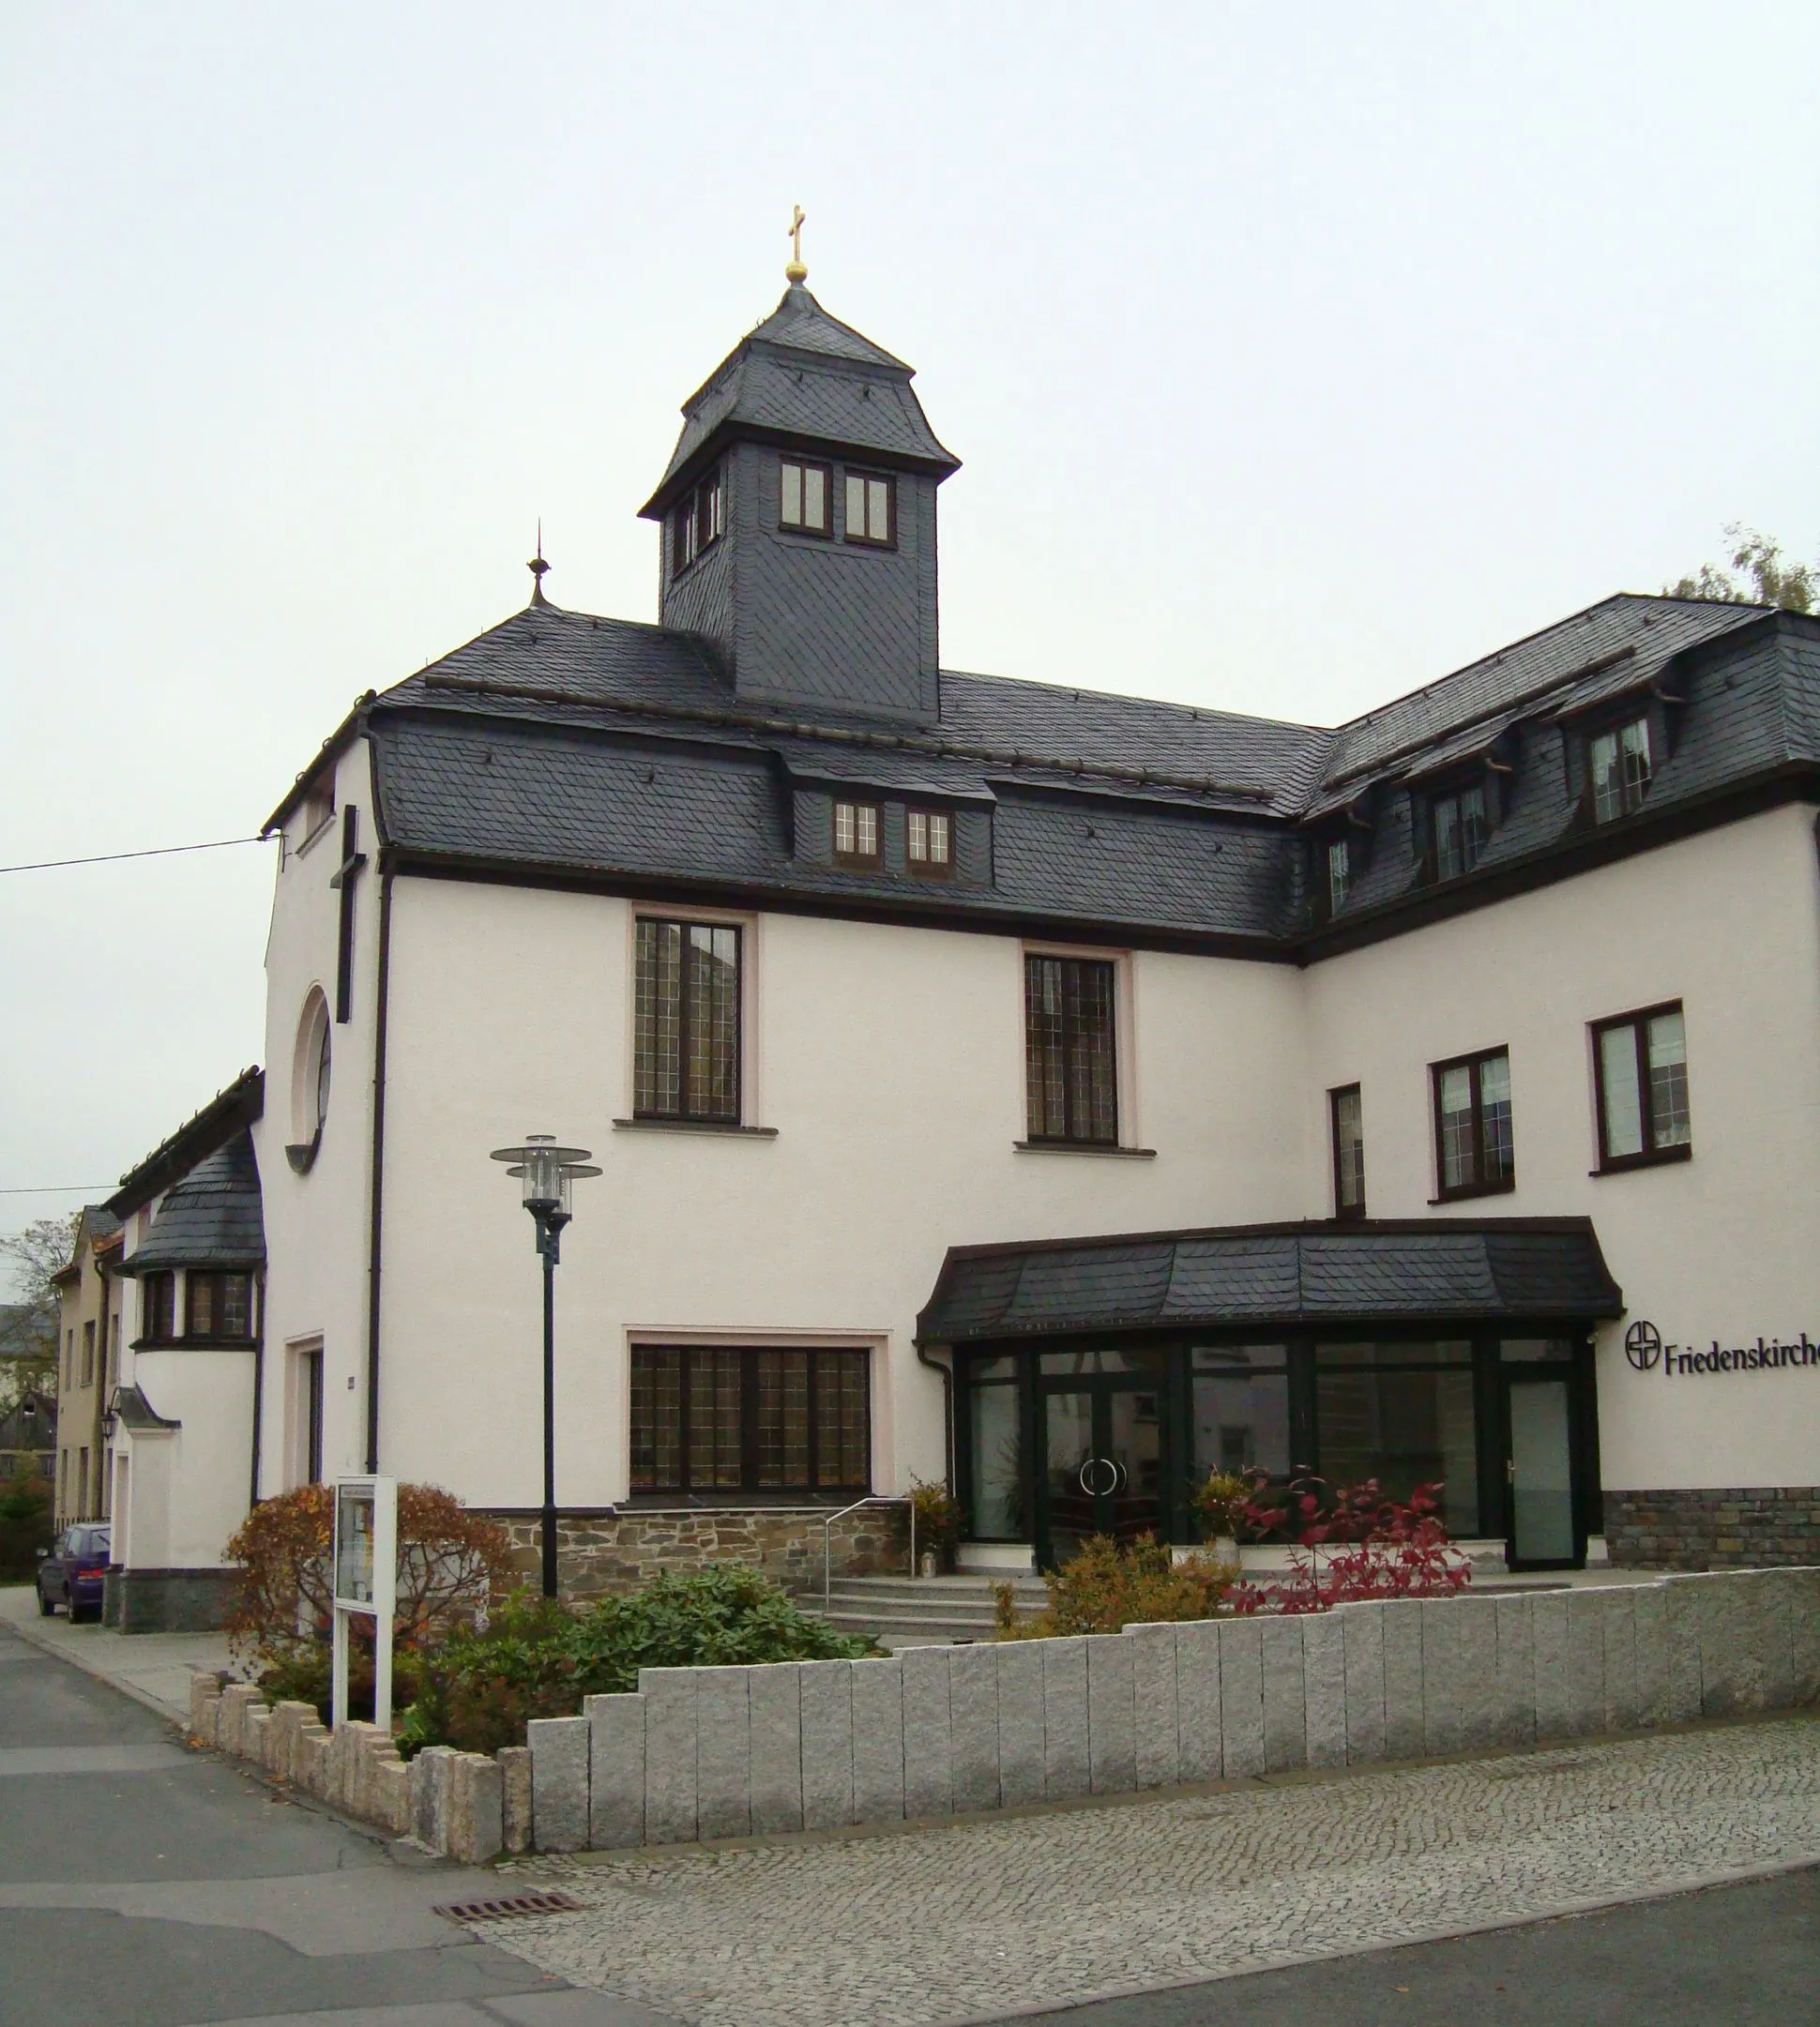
[310,1081]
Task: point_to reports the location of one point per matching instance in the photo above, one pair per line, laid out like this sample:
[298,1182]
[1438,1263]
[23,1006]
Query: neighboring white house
[1058,1091]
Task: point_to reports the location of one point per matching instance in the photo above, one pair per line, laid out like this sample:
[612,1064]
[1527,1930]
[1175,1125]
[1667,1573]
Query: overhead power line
[157,851]
[56,1189]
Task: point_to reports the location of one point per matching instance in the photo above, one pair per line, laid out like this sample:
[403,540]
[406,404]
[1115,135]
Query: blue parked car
[69,1572]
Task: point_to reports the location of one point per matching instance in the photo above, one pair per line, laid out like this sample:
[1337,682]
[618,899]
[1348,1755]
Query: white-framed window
[1620,763]
[929,841]
[871,503]
[857,832]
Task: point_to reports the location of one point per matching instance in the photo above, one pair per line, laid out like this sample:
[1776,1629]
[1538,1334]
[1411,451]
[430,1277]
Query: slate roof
[236,1106]
[1280,1275]
[211,1218]
[561,740]
[804,374]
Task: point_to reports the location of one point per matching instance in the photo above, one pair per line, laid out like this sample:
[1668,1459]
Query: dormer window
[929,842]
[698,521]
[1339,872]
[870,518]
[855,834]
[805,496]
[1620,764]
[1460,829]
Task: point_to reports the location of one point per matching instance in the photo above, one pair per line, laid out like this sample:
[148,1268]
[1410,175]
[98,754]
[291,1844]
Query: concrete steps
[901,1611]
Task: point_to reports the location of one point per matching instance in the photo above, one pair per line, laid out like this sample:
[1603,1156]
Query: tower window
[856,833]
[1346,1113]
[803,496]
[698,521]
[870,516]
[929,842]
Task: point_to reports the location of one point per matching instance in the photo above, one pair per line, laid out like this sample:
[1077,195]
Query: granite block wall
[730,1752]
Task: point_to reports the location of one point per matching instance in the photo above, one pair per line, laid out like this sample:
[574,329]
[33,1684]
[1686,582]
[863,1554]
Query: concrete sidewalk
[151,1668]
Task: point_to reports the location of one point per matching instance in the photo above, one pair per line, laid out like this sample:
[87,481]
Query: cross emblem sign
[346,877]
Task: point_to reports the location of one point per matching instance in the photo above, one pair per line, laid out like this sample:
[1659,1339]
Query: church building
[1054,1092]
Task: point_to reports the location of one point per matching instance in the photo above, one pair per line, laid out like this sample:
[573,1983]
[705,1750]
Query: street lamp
[546,1171]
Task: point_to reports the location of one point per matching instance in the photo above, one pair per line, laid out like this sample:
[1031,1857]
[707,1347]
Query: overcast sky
[1295,356]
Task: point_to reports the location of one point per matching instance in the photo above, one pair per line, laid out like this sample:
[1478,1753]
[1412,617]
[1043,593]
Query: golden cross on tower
[796,271]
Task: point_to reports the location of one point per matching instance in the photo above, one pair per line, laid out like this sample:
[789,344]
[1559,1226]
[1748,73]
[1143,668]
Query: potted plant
[1219,1502]
[935,1528]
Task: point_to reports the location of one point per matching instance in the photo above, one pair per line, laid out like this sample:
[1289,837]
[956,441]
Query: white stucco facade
[883,1066]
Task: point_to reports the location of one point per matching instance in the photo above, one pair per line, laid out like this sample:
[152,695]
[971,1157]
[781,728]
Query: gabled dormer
[797,520]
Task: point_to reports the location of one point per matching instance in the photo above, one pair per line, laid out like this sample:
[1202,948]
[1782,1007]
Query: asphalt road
[145,1885]
[1729,1957]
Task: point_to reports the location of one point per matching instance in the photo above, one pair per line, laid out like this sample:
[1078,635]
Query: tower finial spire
[537,567]
[796,271]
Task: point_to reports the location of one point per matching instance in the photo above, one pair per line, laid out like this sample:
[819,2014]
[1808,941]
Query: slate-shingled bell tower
[838,619]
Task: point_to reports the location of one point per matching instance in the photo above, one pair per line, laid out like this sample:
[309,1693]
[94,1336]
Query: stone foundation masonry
[1744,1527]
[702,1753]
[598,1554]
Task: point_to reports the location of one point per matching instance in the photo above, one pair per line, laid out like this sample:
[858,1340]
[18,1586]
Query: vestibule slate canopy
[212,1218]
[1280,1275]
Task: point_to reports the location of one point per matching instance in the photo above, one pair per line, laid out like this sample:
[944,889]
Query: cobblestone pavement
[997,1915]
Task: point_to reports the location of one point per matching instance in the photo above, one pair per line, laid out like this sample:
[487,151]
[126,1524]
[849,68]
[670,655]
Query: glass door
[1102,1447]
[1539,1413]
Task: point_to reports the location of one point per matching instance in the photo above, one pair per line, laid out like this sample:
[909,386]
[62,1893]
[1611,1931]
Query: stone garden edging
[702,1753]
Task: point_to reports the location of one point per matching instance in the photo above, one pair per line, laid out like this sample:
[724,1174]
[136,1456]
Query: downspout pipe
[947,1372]
[376,1184]
[258,1387]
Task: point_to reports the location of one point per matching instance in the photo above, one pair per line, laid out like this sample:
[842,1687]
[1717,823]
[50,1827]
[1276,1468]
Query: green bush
[1110,1585]
[25,1526]
[536,1659]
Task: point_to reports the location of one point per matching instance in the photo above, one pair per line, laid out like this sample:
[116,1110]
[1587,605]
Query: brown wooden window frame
[861,861]
[157,1307]
[698,521]
[736,1448]
[852,476]
[1472,841]
[1474,1065]
[1654,1151]
[691,1106]
[818,532]
[1052,1062]
[88,1354]
[1347,1212]
[1631,795]
[204,1321]
[929,866]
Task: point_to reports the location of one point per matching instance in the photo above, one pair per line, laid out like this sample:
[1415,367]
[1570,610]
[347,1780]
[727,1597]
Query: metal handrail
[871,1499]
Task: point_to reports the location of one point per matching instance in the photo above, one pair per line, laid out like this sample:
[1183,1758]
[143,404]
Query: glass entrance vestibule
[1061,1439]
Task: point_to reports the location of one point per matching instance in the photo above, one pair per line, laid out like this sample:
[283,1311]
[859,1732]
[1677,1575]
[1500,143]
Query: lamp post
[546,1171]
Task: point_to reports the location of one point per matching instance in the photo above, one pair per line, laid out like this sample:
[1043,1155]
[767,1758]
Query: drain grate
[520,1903]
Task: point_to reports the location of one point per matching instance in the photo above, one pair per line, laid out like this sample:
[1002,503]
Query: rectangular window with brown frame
[1459,826]
[729,1419]
[857,835]
[1474,1148]
[698,521]
[88,1355]
[686,1022]
[1640,1075]
[805,497]
[1347,1117]
[929,842]
[1070,1049]
[157,1307]
[871,509]
[219,1306]
[1619,765]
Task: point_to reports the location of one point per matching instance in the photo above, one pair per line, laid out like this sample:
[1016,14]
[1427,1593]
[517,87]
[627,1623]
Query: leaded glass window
[725,1418]
[1473,1140]
[1642,1071]
[1070,1060]
[686,1046]
[1349,1118]
[1461,830]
